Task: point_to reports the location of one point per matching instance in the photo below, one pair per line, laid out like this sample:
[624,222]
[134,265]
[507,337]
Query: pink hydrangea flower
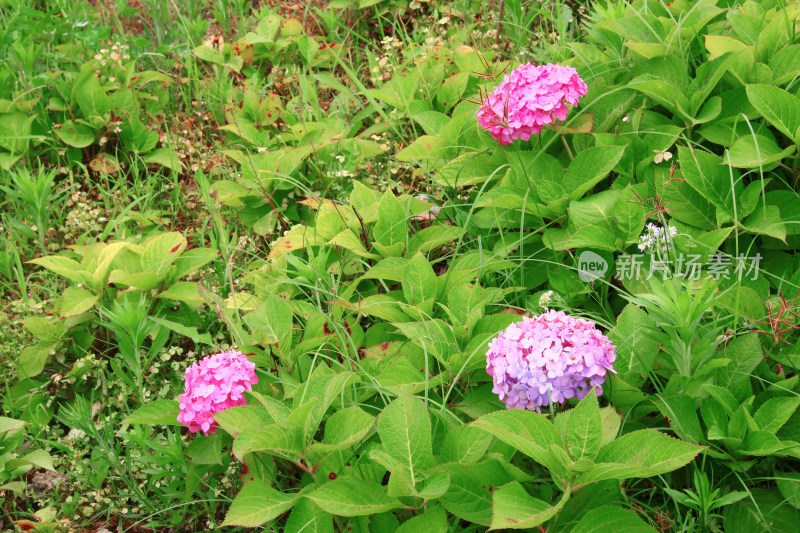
[528,98]
[214,384]
[550,357]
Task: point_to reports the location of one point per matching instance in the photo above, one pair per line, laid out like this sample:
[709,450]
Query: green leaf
[345,428]
[432,237]
[33,358]
[166,157]
[583,430]
[75,301]
[682,415]
[465,444]
[348,496]
[528,432]
[789,485]
[589,167]
[405,430]
[278,439]
[754,151]
[775,412]
[237,419]
[64,266]
[76,135]
[643,453]
[156,413]
[745,354]
[610,518]
[637,347]
[760,443]
[271,322]
[420,284]
[205,449]
[766,220]
[765,511]
[433,520]
[514,508]
[390,230]
[91,97]
[779,107]
[308,518]
[185,331]
[472,488]
[257,503]
[706,174]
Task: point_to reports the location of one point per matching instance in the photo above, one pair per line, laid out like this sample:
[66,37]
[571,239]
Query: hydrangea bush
[214,384]
[528,99]
[548,358]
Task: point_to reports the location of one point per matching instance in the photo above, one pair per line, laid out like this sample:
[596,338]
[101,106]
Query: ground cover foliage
[308,184]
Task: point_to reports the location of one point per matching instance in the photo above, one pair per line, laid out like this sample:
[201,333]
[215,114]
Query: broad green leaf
[583,430]
[271,322]
[405,430]
[707,175]
[161,251]
[766,221]
[514,508]
[278,439]
[75,301]
[760,443]
[745,354]
[754,151]
[205,449]
[779,107]
[185,331]
[433,237]
[682,415]
[766,511]
[432,520]
[465,444]
[166,157]
[420,284]
[643,453]
[775,413]
[472,488]
[635,337]
[306,517]
[610,518]
[33,358]
[348,496]
[237,419]
[528,432]
[91,97]
[256,504]
[64,266]
[391,228]
[789,485]
[344,428]
[183,291]
[76,135]
[156,413]
[589,167]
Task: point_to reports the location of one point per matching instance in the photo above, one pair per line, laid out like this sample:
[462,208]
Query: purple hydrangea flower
[550,357]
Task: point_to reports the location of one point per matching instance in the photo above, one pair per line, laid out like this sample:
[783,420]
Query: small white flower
[545,298]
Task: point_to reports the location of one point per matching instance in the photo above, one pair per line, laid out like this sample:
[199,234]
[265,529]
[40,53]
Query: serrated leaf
[256,504]
[583,430]
[528,432]
[156,413]
[405,430]
[514,508]
[75,301]
[643,453]
[348,496]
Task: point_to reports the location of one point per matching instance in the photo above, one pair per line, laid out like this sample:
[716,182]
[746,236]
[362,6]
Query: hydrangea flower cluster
[656,237]
[528,98]
[550,357]
[214,384]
